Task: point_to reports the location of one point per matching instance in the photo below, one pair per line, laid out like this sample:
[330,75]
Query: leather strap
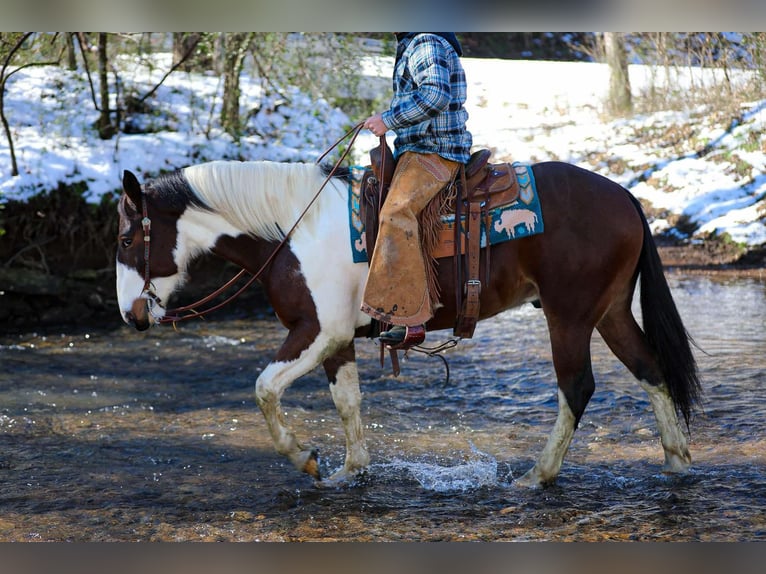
[469,314]
[458,242]
[488,227]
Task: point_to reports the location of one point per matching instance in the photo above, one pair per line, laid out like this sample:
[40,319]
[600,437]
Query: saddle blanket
[521,218]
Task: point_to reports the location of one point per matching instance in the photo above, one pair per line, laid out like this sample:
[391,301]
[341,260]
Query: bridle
[148,290]
[190,311]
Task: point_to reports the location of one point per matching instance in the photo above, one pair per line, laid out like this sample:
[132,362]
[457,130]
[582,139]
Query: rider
[432,141]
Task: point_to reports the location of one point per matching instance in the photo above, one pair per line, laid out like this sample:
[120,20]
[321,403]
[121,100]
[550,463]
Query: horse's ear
[132,187]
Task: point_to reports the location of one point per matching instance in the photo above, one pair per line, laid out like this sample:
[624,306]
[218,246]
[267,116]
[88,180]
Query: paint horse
[582,272]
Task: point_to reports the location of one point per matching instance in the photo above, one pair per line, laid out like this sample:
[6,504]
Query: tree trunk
[620,102]
[235,49]
[104,125]
[71,54]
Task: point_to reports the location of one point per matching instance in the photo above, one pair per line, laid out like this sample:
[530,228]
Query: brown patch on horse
[284,286]
[334,363]
[139,314]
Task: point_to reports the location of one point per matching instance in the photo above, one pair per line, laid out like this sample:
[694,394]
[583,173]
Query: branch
[265,76]
[81,41]
[29,65]
[12,53]
[175,66]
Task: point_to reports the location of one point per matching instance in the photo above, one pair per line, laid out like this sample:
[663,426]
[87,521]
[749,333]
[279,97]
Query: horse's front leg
[343,375]
[293,361]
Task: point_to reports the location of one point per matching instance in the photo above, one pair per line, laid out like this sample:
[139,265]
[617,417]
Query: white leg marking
[348,399]
[270,386]
[677,456]
[549,463]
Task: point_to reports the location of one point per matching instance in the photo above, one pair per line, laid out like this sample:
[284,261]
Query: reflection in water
[118,435]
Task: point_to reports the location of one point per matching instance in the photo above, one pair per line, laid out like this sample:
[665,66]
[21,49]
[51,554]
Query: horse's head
[147,272]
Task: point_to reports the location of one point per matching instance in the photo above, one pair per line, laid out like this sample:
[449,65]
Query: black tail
[664,329]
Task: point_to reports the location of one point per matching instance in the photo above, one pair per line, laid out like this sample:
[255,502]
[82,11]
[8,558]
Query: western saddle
[478,188]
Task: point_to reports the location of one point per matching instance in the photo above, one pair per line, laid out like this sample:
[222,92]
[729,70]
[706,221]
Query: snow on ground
[522,110]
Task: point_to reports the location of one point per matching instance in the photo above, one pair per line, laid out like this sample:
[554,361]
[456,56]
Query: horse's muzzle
[139,315]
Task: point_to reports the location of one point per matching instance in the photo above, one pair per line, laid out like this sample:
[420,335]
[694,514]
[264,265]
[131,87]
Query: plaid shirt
[427,110]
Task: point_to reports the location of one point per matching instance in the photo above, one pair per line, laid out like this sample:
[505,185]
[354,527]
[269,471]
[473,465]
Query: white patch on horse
[198,231]
[337,301]
[348,400]
[266,199]
[270,386]
[548,464]
[677,456]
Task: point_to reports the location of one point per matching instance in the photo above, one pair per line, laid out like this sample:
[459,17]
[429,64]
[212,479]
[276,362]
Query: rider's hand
[375,124]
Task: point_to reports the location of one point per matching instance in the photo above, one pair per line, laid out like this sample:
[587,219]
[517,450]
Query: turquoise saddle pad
[521,218]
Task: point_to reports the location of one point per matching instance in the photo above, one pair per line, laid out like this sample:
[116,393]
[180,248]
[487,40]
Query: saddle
[478,188]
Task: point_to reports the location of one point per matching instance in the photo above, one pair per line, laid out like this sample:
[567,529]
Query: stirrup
[402,338]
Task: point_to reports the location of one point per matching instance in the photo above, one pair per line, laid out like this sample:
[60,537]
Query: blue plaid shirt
[427,110]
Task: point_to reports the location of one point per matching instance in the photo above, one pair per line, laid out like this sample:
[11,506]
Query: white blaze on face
[129,287]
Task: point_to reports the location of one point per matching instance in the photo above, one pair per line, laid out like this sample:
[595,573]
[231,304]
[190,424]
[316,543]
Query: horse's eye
[127,242]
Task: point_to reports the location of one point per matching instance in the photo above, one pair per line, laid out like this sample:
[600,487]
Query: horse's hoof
[523,482]
[311,466]
[342,477]
[677,461]
[676,465]
[531,479]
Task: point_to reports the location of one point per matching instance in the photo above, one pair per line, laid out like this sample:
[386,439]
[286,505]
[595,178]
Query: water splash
[478,470]
[211,341]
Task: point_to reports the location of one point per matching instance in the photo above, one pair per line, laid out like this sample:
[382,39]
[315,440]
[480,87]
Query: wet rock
[32,299]
[30,282]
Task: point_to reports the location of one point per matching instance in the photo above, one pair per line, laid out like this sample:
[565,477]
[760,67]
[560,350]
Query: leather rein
[190,311]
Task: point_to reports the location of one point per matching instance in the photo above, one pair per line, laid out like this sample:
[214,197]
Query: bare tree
[10,45]
[620,101]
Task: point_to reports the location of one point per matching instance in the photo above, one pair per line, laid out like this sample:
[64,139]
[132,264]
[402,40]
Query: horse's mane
[263,198]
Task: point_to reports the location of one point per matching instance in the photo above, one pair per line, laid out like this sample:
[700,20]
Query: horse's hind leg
[626,340]
[571,359]
[343,375]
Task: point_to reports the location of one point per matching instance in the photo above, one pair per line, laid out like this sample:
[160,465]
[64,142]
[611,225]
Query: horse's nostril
[130,317]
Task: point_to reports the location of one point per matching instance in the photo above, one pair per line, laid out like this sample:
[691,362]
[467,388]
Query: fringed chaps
[397,290]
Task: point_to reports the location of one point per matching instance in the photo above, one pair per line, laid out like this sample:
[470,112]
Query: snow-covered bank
[693,165]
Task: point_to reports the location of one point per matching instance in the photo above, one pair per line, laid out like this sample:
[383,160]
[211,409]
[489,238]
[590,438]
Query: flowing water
[117,435]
